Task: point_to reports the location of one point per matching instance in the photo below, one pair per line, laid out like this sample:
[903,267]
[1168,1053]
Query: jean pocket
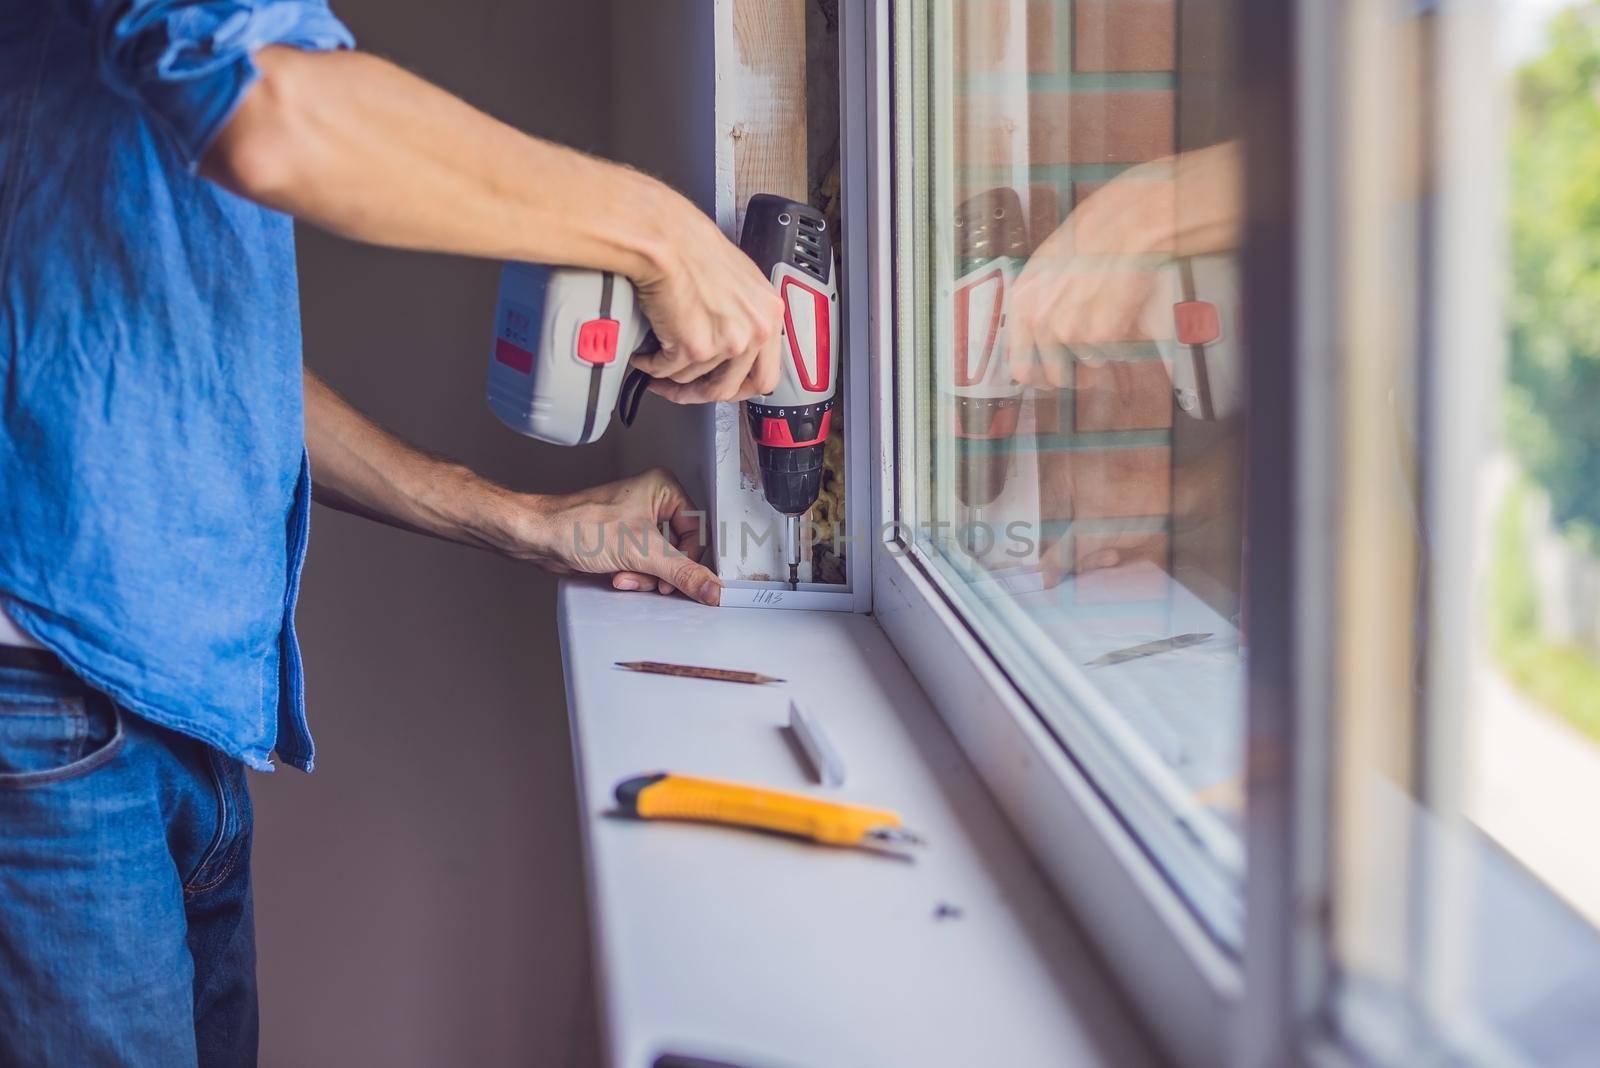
[47,735]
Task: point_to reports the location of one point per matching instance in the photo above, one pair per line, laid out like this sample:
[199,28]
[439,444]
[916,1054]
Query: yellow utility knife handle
[681,797]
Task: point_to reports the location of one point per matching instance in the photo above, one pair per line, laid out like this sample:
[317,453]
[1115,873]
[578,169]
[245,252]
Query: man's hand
[718,319]
[371,152]
[1092,285]
[641,530]
[1101,279]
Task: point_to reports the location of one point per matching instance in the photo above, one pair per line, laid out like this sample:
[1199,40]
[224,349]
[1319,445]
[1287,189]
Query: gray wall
[674,139]
[419,899]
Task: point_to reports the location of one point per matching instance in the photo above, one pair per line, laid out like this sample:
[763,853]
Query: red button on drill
[597,340]
[1197,321]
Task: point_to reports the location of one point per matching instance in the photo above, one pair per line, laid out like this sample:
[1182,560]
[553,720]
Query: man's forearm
[367,150]
[646,530]
[359,467]
[362,148]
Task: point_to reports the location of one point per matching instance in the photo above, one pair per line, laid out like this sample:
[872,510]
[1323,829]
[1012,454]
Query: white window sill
[762,951]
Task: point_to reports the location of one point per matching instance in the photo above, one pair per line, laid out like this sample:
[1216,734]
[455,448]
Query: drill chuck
[983,429]
[791,478]
[789,445]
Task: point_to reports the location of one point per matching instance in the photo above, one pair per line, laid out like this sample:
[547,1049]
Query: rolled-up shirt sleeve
[188,63]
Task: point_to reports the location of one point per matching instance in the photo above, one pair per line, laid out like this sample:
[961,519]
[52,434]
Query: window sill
[715,942]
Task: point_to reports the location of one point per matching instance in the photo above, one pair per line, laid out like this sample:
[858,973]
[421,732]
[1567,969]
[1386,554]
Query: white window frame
[1273,1004]
[1187,988]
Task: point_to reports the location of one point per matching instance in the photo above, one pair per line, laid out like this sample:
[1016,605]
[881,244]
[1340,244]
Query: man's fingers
[1022,345]
[1110,312]
[685,525]
[683,520]
[683,359]
[1056,367]
[690,541]
[632,581]
[661,364]
[764,374]
[693,372]
[681,392]
[723,383]
[677,570]
[730,384]
[1098,560]
[669,390]
[1019,335]
[698,391]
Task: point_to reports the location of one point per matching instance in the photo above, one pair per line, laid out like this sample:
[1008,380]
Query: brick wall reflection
[1055,100]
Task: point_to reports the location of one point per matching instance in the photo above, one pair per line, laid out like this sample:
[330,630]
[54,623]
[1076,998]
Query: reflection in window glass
[1070,438]
[1467,894]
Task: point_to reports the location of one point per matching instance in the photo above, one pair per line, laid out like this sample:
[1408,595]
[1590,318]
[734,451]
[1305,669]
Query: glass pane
[1468,861]
[1069,387]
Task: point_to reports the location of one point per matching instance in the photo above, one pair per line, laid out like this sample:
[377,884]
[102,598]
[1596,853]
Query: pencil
[688,671]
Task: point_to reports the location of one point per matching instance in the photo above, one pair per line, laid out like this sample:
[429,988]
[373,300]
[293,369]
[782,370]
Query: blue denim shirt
[153,483]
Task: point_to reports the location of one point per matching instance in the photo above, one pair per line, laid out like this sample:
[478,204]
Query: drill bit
[791,546]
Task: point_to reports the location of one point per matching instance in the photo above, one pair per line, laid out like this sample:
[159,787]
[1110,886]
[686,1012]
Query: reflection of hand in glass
[1105,278]
[1097,279]
[1105,487]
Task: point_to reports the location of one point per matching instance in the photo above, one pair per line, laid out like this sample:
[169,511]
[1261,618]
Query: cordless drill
[985,401]
[793,246]
[564,338]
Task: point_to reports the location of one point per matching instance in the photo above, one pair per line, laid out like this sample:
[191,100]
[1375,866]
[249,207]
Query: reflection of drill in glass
[991,244]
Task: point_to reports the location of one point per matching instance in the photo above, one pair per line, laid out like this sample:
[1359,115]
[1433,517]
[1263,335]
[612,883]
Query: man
[154,430]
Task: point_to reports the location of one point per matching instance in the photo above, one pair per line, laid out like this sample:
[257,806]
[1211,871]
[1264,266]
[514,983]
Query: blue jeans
[126,929]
